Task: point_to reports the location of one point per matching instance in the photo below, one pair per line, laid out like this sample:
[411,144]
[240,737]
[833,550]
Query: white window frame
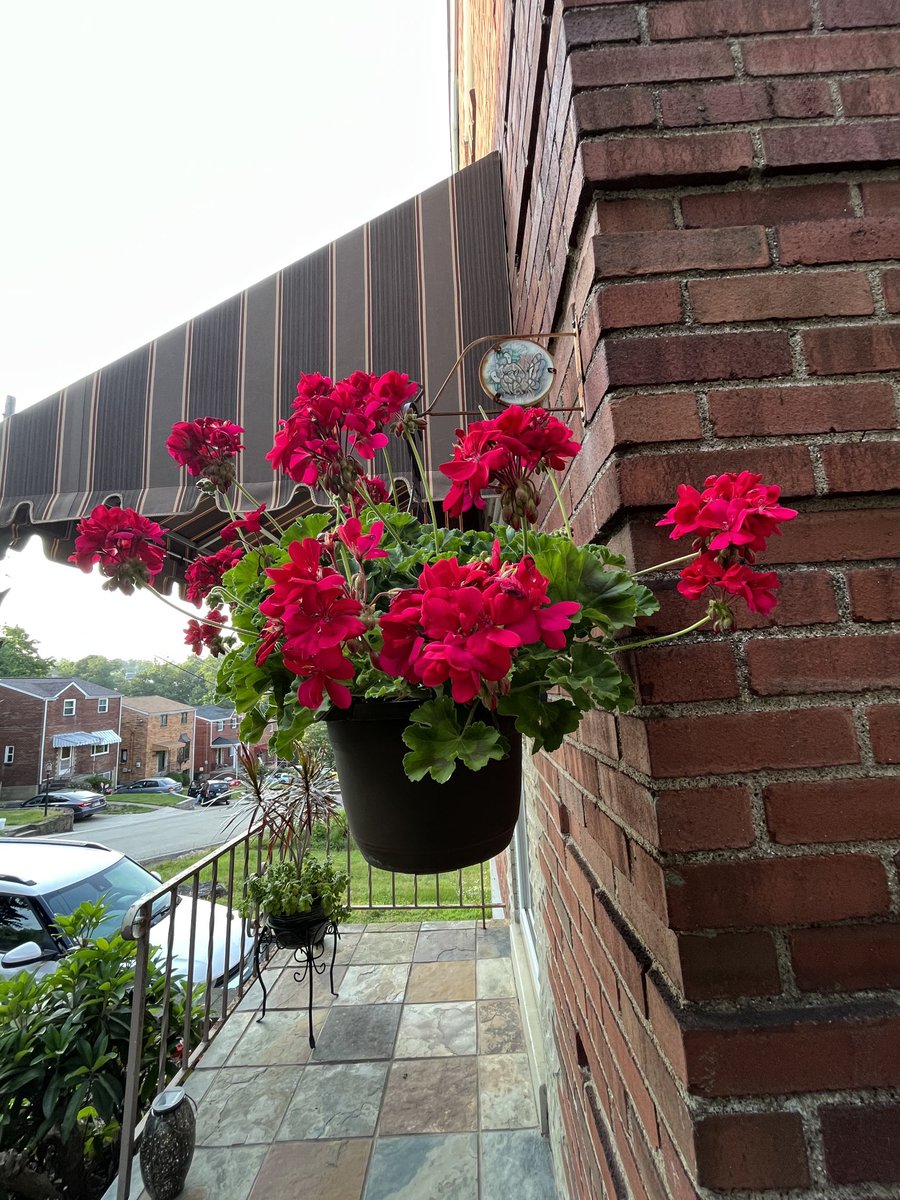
[220,726]
[234,722]
[69,707]
[103,704]
[65,754]
[184,718]
[163,720]
[9,755]
[103,748]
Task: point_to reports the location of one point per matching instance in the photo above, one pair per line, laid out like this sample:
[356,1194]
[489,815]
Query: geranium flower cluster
[207,634]
[206,572]
[730,520]
[207,447]
[504,454]
[127,546]
[335,425]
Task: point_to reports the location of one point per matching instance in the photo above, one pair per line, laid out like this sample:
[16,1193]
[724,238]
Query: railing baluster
[207,999]
[229,897]
[187,1030]
[139,929]
[167,994]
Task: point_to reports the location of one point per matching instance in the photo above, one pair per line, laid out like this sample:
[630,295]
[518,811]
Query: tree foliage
[19,658]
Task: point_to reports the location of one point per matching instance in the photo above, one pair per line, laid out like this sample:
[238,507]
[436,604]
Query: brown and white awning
[407,292]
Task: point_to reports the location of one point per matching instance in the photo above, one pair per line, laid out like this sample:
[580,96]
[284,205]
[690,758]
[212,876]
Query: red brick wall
[712,187]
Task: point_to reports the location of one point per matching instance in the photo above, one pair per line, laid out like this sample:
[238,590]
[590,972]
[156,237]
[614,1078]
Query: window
[161,763]
[68,708]
[20,923]
[184,718]
[220,725]
[164,719]
[103,704]
[96,751]
[65,756]
[234,722]
[9,755]
[123,756]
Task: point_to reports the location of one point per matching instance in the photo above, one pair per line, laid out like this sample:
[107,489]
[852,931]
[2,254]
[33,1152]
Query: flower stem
[666,637]
[421,469]
[672,562]
[184,612]
[562,511]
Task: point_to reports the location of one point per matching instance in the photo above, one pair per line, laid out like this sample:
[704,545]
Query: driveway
[160,832]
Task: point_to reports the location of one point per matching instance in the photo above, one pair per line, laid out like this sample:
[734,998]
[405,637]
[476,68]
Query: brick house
[709,884]
[61,728]
[157,737]
[217,738]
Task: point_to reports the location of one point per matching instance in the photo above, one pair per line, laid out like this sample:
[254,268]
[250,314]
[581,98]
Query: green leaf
[562,563]
[545,721]
[437,742]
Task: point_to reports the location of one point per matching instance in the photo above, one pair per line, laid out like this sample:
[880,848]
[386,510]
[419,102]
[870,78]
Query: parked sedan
[81,804]
[156,785]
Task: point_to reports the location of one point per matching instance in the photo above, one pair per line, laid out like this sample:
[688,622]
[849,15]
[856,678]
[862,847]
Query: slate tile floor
[419,1087]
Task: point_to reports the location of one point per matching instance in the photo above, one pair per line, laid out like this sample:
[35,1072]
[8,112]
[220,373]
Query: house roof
[155,704]
[214,712]
[407,291]
[52,686]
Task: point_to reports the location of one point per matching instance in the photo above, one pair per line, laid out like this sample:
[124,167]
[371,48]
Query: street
[161,832]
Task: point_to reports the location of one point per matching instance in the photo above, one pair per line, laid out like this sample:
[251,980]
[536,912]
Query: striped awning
[406,291]
[99,737]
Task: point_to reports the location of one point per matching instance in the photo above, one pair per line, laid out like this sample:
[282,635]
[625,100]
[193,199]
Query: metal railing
[208,1001]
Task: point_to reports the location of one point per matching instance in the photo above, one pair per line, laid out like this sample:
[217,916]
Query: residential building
[157,737]
[57,729]
[217,738]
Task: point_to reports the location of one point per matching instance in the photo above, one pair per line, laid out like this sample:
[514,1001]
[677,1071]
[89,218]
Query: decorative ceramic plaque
[516,371]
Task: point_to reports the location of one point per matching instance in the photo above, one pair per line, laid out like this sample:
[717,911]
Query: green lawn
[24,816]
[165,799]
[404,888]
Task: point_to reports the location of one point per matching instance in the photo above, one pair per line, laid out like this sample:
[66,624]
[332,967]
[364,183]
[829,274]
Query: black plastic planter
[300,930]
[424,827]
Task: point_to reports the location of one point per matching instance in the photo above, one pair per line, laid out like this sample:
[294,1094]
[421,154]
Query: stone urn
[167,1146]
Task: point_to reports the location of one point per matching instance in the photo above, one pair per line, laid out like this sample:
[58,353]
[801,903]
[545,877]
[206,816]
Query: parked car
[81,803]
[218,791]
[155,785]
[40,878]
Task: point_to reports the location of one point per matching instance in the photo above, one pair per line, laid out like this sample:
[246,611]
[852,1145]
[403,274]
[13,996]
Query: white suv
[39,878]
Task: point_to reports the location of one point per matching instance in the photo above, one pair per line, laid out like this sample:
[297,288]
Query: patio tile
[433,982]
[198,1084]
[281,1038]
[494,978]
[431,1095]
[289,993]
[356,1033]
[373,984]
[446,945]
[225,1040]
[252,998]
[436,1030]
[392,926]
[221,1171]
[505,1092]
[384,948]
[516,1163]
[245,1106]
[424,1166]
[335,1101]
[332,1170]
[499,1027]
[431,926]
[493,942]
[347,943]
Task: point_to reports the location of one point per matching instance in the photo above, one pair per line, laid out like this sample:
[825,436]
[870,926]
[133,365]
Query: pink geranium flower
[251,523]
[323,673]
[127,546]
[361,545]
[206,573]
[207,447]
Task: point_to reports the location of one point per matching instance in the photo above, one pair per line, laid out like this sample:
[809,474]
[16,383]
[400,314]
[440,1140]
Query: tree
[19,658]
[107,672]
[193,682]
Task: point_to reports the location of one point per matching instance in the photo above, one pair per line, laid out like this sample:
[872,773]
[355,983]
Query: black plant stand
[310,960]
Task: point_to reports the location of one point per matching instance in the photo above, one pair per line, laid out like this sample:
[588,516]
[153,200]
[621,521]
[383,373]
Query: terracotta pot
[424,827]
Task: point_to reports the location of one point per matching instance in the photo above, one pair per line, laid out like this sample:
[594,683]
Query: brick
[612,108]
[846,958]
[714,104]
[704,819]
[890,283]
[833,810]
[881,196]
[875,594]
[874,97]
[795,1058]
[763,297]
[862,467]
[669,251]
[629,161]
[668,417]
[630,801]
[654,479]
[804,598]
[823,664]
[635,361]
[752,1151]
[647,64]
[600,25]
[723,966]
[862,1144]
[806,55]
[718,745]
[855,535]
[852,350]
[664,675]
[776,891]
[820,408]
[884,730]
[632,305]
[850,145]
[726,18]
[864,239]
[622,216]
[854,14]
[769,206]
[800,97]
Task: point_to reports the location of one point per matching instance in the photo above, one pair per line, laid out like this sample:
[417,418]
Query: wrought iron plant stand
[309,953]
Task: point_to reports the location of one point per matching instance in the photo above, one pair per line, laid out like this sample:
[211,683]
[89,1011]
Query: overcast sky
[159,158]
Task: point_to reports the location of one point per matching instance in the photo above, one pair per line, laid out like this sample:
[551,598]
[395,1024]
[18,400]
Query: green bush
[64,1040]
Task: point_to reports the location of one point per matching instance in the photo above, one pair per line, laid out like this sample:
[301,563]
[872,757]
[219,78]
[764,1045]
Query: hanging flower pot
[420,826]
